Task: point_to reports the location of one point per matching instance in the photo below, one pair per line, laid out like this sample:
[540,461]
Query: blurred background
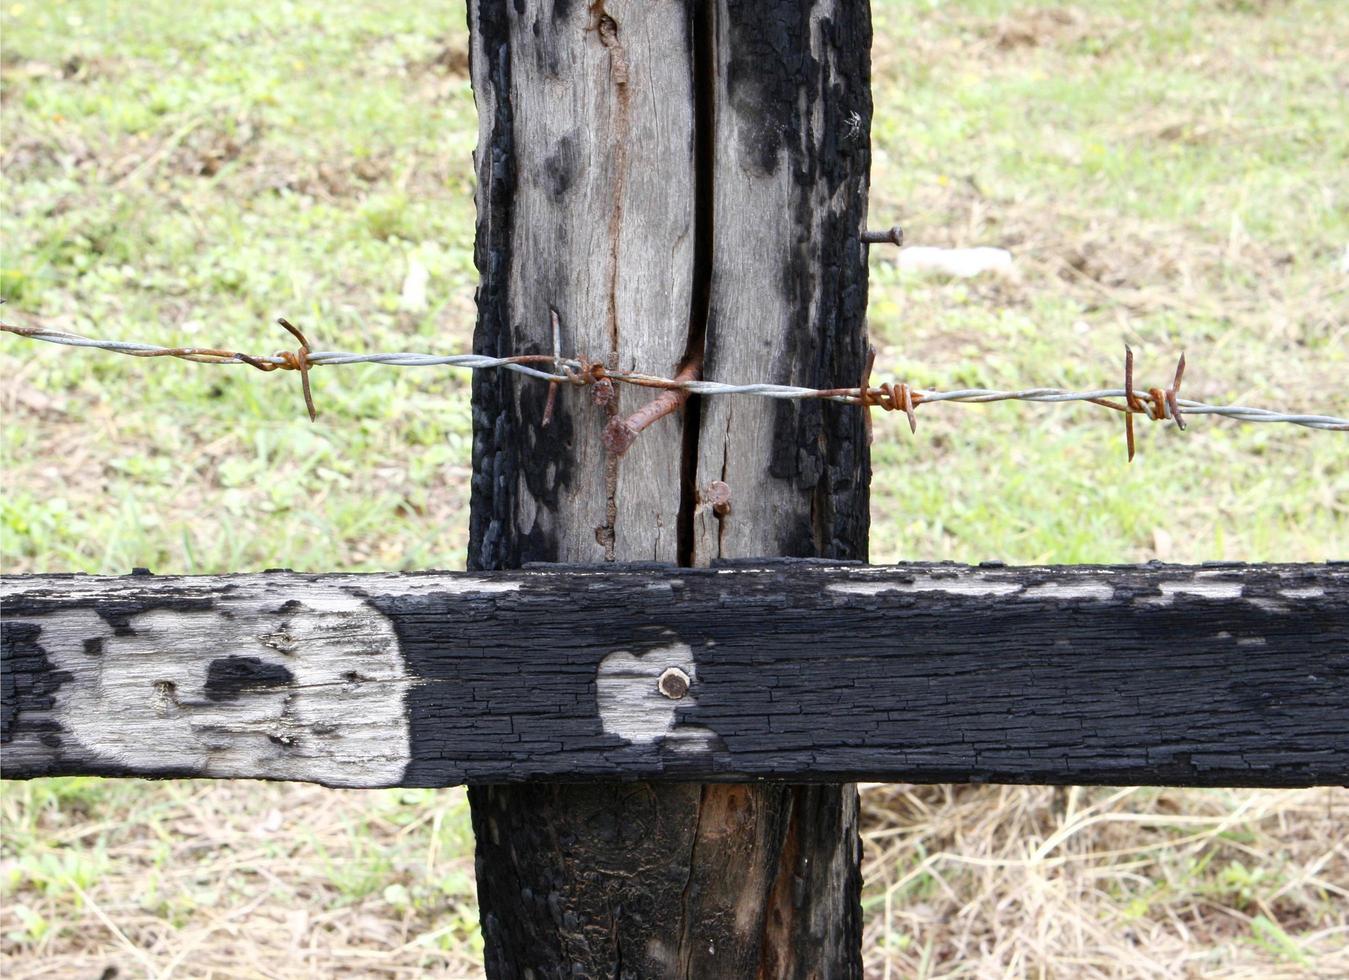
[1170,173]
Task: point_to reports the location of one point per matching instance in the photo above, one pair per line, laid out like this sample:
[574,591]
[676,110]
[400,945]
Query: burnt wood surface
[685,183]
[1224,675]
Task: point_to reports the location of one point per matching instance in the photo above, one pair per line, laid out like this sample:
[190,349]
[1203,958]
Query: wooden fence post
[680,181]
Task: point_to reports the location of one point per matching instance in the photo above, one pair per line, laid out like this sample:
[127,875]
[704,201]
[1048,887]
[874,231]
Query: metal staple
[1155,404]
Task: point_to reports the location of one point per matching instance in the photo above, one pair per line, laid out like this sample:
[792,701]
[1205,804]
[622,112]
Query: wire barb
[1164,405]
[557,369]
[1161,404]
[299,361]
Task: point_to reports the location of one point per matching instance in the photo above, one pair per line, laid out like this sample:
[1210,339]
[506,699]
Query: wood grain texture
[585,203]
[789,279]
[644,78]
[1156,674]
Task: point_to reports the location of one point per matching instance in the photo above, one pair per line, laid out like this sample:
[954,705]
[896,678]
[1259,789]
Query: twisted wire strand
[577,371]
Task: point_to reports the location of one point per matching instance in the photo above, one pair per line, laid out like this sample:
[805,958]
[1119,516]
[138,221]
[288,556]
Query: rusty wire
[1155,404]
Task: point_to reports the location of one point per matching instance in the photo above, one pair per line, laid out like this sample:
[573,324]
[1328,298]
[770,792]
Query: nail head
[673,683]
[618,436]
[602,392]
[718,497]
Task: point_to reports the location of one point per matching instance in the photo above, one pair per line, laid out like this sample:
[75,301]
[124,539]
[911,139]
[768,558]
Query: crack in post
[703,42]
[725,465]
[606,28]
[685,934]
[776,952]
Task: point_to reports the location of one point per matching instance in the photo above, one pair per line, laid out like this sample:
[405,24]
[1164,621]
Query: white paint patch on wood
[1273,606]
[141,699]
[930,583]
[404,585]
[1312,593]
[1193,586]
[1209,590]
[1076,590]
[283,584]
[630,702]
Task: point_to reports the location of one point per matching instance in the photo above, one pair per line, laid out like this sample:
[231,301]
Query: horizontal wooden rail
[1213,675]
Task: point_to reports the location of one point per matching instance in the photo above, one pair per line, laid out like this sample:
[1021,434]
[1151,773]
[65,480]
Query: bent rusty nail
[621,433]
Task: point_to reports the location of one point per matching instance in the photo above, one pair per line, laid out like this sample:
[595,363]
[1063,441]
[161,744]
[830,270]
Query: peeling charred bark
[677,178]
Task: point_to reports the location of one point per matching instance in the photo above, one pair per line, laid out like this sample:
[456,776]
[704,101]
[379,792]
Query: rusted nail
[673,683]
[718,497]
[621,433]
[299,361]
[890,236]
[602,392]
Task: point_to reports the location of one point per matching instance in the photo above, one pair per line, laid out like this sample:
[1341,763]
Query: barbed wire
[1154,404]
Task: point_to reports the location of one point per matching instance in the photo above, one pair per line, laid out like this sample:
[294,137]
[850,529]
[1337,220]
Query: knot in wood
[673,683]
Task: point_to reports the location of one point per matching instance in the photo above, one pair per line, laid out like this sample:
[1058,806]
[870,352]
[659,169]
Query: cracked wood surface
[1156,674]
[585,201]
[788,285]
[626,250]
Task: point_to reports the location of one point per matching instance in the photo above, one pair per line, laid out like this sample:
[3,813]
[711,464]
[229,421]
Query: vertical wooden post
[679,180]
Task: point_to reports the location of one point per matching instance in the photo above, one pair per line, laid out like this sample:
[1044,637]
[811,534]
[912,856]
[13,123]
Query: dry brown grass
[240,879]
[1094,882]
[226,880]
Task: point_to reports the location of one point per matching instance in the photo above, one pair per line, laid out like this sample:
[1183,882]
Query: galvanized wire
[577,371]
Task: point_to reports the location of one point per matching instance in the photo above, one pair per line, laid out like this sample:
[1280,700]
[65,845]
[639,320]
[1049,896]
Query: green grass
[1173,180]
[1171,174]
[184,179]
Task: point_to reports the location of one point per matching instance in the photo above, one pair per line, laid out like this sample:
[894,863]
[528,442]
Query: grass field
[1172,174]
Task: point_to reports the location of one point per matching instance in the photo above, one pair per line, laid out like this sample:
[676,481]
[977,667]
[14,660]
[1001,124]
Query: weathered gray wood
[653,76]
[586,202]
[789,279]
[1156,674]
